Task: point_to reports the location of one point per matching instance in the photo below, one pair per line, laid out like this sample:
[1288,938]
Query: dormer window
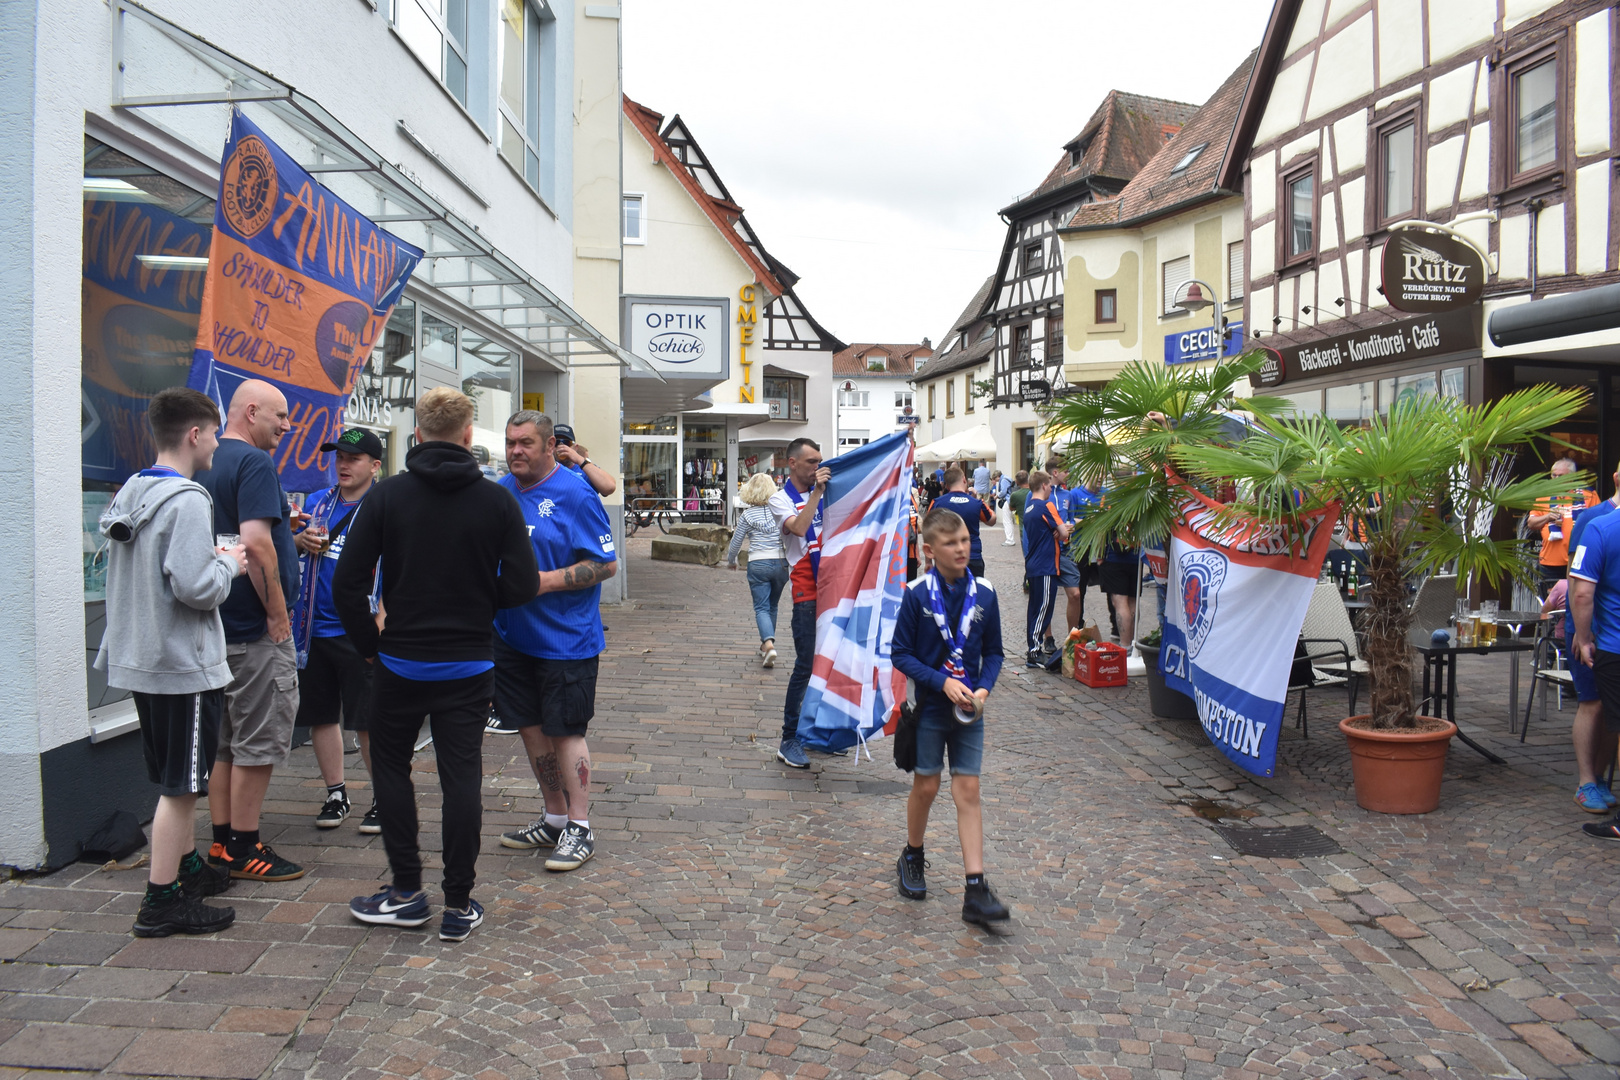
[877,362]
[1075,156]
[1187,159]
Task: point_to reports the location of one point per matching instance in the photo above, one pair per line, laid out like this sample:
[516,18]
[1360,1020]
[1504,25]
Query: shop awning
[1581,312]
[184,87]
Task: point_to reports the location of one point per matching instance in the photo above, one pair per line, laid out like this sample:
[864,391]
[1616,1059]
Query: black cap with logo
[564,433]
[357,440]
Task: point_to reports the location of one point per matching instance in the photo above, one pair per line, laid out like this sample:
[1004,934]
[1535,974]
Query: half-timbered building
[1024,306]
[1494,117]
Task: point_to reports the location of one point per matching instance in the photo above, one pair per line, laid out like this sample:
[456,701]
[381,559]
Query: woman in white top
[767,562]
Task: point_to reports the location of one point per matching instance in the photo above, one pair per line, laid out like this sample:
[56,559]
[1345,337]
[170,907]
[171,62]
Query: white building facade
[460,139]
[875,397]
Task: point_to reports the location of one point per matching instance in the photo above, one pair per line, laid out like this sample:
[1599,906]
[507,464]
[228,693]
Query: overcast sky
[871,142]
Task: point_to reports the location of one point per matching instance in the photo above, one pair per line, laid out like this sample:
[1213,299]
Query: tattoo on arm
[583,575]
[584,771]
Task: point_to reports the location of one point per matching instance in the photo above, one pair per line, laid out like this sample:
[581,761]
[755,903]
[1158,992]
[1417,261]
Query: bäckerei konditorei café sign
[1389,343]
[1427,271]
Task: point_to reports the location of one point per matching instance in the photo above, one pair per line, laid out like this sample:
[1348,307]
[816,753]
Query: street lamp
[1197,295]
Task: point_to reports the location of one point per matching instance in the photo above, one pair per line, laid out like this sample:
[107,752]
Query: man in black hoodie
[454,549]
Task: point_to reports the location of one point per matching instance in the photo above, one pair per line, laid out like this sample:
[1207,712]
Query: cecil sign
[1202,345]
[1427,271]
[684,338]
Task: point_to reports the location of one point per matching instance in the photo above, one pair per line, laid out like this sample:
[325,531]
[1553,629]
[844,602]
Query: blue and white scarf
[956,642]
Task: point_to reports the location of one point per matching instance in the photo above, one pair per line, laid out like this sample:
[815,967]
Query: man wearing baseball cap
[334,682]
[573,456]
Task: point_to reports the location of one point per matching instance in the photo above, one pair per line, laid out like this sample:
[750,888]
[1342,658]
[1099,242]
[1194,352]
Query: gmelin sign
[683,338]
[1427,271]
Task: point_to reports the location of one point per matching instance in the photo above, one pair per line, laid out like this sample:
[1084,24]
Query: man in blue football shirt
[547,651]
[1046,533]
[971,510]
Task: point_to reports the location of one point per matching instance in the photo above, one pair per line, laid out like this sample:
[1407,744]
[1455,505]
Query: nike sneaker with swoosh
[391,908]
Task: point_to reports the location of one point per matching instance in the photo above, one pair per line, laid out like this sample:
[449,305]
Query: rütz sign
[1427,272]
[1410,339]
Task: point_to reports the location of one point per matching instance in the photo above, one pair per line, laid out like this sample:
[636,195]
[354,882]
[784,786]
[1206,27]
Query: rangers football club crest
[1202,573]
[248,187]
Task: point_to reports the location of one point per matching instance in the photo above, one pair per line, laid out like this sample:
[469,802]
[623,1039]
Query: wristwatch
[584,463]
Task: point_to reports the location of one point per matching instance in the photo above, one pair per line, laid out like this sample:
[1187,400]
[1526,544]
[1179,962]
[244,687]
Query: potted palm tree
[1124,436]
[1420,486]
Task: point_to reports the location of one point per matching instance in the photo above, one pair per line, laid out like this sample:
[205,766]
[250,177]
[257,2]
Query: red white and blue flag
[854,690]
[1237,593]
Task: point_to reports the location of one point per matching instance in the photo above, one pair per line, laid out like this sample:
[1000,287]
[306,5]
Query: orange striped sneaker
[262,864]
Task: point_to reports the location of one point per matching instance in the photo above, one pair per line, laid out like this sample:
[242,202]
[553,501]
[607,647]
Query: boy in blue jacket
[947,641]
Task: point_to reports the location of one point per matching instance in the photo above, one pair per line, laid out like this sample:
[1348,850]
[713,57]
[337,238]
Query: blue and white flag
[854,688]
[1238,590]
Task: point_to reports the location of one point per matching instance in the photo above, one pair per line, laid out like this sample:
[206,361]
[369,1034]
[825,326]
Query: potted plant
[1164,701]
[1420,486]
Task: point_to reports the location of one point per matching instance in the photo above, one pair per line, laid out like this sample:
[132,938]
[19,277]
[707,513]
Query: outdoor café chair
[1435,603]
[1555,674]
[1330,641]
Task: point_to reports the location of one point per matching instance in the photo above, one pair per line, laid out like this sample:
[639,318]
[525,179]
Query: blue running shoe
[456,925]
[1608,795]
[791,753]
[1589,797]
[391,908]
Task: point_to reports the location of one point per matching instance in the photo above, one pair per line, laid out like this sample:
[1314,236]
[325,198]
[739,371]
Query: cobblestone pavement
[740,919]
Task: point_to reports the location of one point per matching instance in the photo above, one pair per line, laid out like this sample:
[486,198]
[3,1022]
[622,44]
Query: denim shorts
[1586,688]
[939,731]
[1068,572]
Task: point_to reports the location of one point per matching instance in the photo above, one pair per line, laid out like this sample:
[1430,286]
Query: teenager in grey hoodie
[164,643]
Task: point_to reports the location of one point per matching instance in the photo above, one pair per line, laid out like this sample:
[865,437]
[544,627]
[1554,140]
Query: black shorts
[334,684]
[1118,578]
[179,736]
[1606,673]
[557,695]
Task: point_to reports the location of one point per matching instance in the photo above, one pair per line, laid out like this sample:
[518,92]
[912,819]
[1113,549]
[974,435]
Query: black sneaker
[333,813]
[981,908]
[1035,658]
[496,726]
[181,915]
[536,834]
[913,886]
[371,825]
[204,879]
[263,864]
[575,847]
[1603,830]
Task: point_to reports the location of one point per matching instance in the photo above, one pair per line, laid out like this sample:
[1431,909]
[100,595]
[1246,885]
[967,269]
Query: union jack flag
[854,690]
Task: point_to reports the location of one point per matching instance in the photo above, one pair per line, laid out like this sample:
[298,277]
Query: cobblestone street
[741,919]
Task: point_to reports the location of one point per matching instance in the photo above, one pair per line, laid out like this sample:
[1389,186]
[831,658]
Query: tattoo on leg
[584,771]
[550,774]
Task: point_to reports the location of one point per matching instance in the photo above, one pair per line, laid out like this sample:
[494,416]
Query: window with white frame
[1177,272]
[1234,270]
[902,399]
[517,66]
[635,218]
[853,399]
[436,31]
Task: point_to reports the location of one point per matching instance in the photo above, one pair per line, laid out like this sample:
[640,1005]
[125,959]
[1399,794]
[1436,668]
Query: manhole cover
[1292,842]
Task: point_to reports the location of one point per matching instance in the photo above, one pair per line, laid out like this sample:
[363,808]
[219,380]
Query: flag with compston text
[1237,593]
[866,514]
[299,285]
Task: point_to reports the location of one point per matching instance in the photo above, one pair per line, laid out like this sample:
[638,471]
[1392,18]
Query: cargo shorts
[261,703]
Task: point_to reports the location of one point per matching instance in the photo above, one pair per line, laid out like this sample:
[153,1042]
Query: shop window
[1535,103]
[1107,305]
[1026,448]
[1350,405]
[384,397]
[489,375]
[950,398]
[902,399]
[1398,166]
[1234,271]
[436,342]
[1299,207]
[930,401]
[649,471]
[1454,384]
[1305,403]
[1418,384]
[785,396]
[635,221]
[1174,274]
[436,31]
[663,425]
[518,61]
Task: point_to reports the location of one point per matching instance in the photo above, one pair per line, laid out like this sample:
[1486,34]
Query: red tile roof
[901,359]
[1160,187]
[1121,137]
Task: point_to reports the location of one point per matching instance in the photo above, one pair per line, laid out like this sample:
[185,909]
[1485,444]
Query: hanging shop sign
[1427,271]
[1390,343]
[1202,344]
[746,321]
[682,337]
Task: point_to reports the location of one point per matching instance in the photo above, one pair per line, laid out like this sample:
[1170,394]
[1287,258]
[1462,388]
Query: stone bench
[684,549]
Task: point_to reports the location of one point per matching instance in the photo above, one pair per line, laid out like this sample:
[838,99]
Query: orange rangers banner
[299,286]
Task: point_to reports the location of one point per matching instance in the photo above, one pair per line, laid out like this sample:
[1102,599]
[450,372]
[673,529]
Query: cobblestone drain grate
[1292,842]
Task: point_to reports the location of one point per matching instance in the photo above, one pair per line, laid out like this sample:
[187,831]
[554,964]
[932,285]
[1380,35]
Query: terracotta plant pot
[1397,772]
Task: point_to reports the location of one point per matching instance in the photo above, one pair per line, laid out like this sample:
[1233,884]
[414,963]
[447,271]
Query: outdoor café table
[1440,663]
[1518,622]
